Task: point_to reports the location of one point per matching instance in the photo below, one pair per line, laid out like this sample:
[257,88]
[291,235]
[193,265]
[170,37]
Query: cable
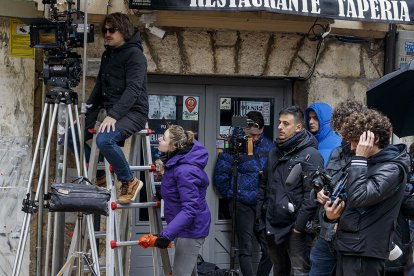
[316,36]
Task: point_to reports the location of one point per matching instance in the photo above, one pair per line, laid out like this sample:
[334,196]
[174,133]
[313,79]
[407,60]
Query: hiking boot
[101,181]
[129,191]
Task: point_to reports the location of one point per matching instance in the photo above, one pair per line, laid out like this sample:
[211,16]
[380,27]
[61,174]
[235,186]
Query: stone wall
[16,131]
[343,69]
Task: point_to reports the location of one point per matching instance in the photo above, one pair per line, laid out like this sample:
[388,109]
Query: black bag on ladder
[78,197]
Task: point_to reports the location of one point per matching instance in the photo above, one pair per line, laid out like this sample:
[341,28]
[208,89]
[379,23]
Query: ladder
[117,232]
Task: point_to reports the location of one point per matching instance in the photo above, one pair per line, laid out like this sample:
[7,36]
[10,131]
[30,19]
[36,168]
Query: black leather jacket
[375,190]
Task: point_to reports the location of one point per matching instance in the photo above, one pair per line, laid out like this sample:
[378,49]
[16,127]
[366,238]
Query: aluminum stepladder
[117,228]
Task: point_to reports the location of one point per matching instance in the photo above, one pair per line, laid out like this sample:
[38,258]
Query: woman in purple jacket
[183,189]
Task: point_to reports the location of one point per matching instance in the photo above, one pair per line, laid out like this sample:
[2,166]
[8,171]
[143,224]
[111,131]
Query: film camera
[238,142]
[57,36]
[321,180]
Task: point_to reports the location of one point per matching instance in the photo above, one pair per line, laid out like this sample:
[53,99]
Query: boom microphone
[294,175]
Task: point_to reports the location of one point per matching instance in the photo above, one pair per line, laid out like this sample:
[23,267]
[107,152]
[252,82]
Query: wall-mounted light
[148,20]
[156,31]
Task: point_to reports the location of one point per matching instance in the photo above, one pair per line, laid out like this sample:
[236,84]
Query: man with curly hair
[375,186]
[323,254]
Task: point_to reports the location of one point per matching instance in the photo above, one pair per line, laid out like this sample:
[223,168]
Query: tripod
[55,97]
[233,249]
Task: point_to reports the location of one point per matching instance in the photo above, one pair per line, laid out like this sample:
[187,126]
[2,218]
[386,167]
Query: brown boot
[101,181]
[129,191]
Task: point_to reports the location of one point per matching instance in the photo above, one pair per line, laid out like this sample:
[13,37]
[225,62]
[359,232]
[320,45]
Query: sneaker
[129,191]
[101,181]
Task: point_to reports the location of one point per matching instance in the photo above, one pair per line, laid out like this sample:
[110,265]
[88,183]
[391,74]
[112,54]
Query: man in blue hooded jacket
[318,122]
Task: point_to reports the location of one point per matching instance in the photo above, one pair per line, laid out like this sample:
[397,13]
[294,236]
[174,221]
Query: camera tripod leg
[27,217]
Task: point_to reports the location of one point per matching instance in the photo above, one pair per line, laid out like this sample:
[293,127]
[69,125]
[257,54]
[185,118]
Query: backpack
[208,269]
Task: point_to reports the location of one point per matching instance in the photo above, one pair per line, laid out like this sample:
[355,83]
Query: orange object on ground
[148,240]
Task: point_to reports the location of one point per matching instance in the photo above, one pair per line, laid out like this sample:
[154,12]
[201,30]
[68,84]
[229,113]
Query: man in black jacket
[121,89]
[375,187]
[283,209]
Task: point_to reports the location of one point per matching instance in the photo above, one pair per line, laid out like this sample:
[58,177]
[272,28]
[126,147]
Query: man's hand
[108,123]
[365,146]
[334,210]
[321,197]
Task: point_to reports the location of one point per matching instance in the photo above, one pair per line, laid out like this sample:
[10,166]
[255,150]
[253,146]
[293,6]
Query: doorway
[205,106]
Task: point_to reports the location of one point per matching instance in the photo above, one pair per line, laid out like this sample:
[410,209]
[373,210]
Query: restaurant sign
[385,11]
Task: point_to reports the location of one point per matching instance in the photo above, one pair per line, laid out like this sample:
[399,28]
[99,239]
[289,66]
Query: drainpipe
[389,61]
[390,40]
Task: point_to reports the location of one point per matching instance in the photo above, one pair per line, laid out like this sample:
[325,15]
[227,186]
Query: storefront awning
[380,11]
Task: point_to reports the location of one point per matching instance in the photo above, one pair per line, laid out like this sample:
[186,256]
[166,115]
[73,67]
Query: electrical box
[404,50]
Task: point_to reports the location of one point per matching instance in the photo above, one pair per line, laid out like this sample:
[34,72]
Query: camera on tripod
[239,142]
[322,180]
[57,35]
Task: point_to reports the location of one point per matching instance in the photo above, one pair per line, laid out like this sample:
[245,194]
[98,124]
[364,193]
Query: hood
[197,156]
[395,153]
[135,41]
[324,113]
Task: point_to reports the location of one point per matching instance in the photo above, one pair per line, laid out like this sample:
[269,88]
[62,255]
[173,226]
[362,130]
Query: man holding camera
[248,175]
[323,254]
[375,186]
[284,204]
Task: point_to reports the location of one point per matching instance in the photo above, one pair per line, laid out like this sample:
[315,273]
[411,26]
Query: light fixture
[148,20]
[156,31]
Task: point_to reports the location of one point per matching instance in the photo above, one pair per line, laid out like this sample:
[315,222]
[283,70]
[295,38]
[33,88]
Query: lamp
[148,20]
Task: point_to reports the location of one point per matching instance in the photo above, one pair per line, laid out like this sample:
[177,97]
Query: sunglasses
[110,30]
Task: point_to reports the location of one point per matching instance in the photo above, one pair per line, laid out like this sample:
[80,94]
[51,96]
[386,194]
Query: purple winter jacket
[183,189]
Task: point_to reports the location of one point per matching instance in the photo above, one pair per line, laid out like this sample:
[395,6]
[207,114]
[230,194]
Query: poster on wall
[263,107]
[20,40]
[190,108]
[162,107]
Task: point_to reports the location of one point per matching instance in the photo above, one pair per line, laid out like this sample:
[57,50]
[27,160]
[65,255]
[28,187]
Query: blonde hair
[179,137]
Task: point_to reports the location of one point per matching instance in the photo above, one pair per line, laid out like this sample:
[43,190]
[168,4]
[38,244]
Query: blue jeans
[107,143]
[323,259]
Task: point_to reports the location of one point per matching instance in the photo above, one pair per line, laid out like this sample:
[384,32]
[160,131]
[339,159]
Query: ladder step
[146,131]
[115,205]
[115,244]
[150,167]
[100,234]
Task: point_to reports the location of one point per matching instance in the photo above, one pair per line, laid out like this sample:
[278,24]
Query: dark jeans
[292,256]
[323,258]
[107,143]
[245,229]
[356,266]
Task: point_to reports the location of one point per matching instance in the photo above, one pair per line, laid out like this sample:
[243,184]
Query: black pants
[292,256]
[245,229]
[356,266]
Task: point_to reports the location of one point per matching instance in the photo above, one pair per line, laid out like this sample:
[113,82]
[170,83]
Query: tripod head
[61,95]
